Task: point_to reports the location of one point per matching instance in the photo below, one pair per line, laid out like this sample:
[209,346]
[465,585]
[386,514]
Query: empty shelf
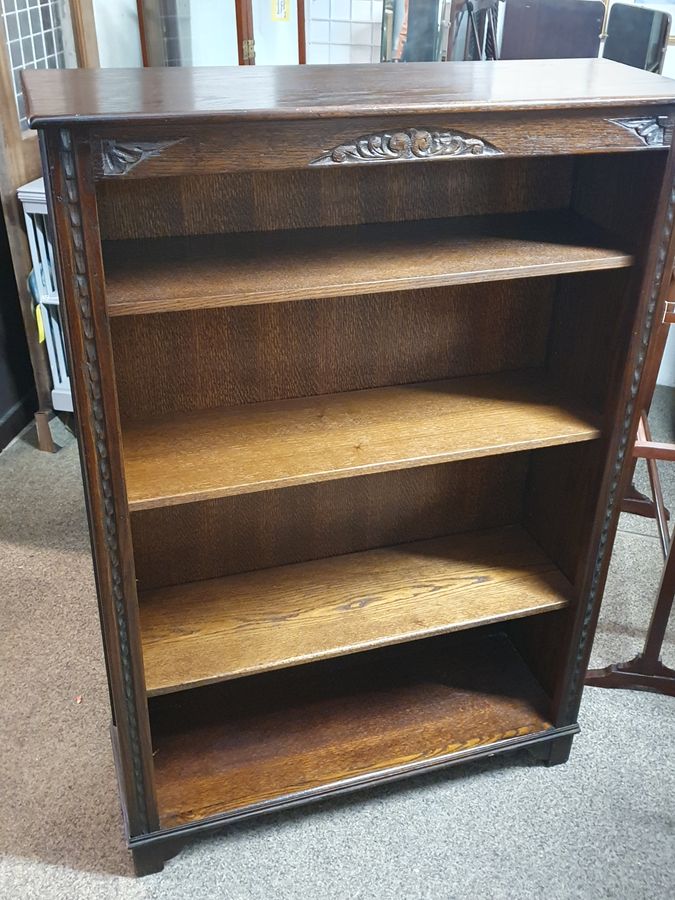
[221,452]
[302,731]
[166,274]
[213,630]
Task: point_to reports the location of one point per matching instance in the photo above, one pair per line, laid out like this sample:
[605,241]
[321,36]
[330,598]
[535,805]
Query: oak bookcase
[356,354]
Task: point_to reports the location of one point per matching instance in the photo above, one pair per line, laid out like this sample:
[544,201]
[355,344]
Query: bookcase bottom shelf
[239,744]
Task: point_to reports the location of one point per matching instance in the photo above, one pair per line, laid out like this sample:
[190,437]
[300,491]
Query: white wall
[343,31]
[276,42]
[213,28]
[119,44]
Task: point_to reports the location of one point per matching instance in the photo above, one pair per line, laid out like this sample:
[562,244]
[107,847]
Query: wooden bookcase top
[307,92]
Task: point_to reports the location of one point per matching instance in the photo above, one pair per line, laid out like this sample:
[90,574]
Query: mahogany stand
[646,672]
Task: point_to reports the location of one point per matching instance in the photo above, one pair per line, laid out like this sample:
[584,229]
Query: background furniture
[637,36]
[635,502]
[17,389]
[552,29]
[646,671]
[45,291]
[474,29]
[355,386]
[53,35]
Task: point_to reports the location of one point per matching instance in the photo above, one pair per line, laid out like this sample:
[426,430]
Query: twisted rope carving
[97,421]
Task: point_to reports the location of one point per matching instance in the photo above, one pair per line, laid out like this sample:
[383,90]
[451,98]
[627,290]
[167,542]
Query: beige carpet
[601,826]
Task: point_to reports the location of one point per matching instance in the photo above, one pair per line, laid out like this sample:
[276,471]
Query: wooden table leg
[646,672]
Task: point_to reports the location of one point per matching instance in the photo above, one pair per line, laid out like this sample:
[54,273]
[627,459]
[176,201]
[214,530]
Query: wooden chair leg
[646,672]
[657,491]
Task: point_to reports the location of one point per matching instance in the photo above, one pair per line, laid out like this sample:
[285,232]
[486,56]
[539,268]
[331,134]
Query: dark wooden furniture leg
[646,672]
[640,504]
[554,753]
[644,439]
[148,860]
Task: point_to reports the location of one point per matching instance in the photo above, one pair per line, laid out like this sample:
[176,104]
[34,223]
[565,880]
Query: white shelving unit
[32,196]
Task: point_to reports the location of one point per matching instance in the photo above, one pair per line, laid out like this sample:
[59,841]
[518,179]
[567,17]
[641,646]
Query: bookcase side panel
[73,206]
[653,274]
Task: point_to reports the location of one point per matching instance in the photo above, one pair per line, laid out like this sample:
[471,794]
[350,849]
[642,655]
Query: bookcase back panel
[591,325]
[175,362]
[262,201]
[620,192]
[203,540]
[560,497]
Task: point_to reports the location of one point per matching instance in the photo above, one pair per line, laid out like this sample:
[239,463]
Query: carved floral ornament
[409,144]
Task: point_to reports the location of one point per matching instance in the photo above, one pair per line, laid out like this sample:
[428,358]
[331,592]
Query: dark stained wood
[590,327]
[73,211]
[650,289]
[258,201]
[636,502]
[310,145]
[242,743]
[219,453]
[568,483]
[593,316]
[555,752]
[630,211]
[416,377]
[230,356]
[289,92]
[302,40]
[194,273]
[140,13]
[207,631]
[646,671]
[176,544]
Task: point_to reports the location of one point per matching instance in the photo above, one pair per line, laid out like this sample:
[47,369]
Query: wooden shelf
[162,275]
[237,450]
[207,631]
[232,746]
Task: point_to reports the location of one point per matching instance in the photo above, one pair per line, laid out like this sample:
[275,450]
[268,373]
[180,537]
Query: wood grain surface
[163,275]
[217,453]
[246,741]
[194,204]
[215,538]
[203,359]
[309,92]
[246,147]
[209,631]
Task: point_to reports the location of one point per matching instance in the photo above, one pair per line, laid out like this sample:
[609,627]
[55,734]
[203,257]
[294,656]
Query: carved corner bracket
[653,132]
[119,157]
[409,144]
